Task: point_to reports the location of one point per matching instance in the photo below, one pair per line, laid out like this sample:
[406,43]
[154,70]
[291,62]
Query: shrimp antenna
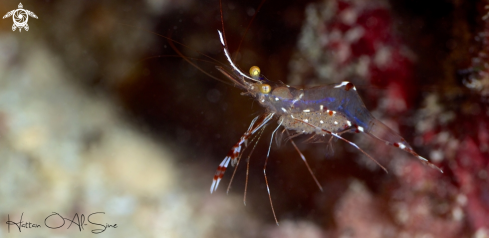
[175,42]
[247,28]
[222,24]
[226,52]
[222,37]
[170,42]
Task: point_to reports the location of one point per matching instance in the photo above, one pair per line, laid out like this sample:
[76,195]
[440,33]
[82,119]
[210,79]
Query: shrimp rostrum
[324,110]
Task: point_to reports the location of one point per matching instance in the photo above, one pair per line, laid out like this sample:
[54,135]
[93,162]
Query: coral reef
[98,114]
[358,41]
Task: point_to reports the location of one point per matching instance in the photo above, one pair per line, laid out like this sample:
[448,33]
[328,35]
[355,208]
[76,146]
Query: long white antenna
[231,61]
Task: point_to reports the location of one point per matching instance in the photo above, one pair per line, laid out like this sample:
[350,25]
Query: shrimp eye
[265,88]
[255,72]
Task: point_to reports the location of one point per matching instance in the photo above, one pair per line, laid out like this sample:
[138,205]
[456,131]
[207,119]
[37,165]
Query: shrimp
[330,110]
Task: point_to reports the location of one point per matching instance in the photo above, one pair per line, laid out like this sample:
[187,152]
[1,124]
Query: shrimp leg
[257,138]
[345,140]
[235,151]
[248,165]
[265,173]
[380,131]
[305,161]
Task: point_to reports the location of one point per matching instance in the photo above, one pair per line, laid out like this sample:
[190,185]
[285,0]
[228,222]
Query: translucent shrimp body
[336,108]
[323,110]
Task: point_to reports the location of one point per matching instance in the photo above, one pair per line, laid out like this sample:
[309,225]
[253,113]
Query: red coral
[364,32]
[359,43]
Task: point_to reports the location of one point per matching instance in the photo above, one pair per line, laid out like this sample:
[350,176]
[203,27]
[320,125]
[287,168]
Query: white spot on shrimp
[297,99]
[276,99]
[321,107]
[348,122]
[344,83]
[263,100]
[306,120]
[360,128]
[306,110]
[401,145]
[283,109]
